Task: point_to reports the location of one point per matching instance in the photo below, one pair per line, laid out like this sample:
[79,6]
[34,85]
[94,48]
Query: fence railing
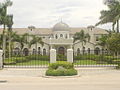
[26,59]
[98,58]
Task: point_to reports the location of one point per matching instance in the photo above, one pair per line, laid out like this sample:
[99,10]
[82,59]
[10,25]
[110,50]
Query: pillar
[70,55]
[1,59]
[52,56]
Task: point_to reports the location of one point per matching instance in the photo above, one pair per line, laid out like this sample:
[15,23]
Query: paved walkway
[30,79]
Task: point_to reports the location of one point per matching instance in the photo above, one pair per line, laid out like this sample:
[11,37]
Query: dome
[61,27]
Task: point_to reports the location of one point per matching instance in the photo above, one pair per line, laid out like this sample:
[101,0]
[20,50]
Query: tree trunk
[9,44]
[117,26]
[113,27]
[4,41]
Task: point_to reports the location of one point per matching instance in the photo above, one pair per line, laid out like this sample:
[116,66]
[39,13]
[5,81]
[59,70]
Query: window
[83,50]
[97,38]
[66,36]
[61,35]
[78,51]
[88,50]
[56,36]
[34,51]
[39,50]
[44,51]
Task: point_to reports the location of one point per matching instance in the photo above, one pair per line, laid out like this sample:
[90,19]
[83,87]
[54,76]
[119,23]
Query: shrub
[65,72]
[61,68]
[65,65]
[37,57]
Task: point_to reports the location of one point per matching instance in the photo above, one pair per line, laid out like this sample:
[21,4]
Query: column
[1,59]
[70,55]
[52,56]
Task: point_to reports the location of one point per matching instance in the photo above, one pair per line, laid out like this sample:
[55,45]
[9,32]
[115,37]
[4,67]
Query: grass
[22,61]
[34,62]
[85,62]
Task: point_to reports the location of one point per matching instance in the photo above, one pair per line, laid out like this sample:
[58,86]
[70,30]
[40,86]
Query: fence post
[52,56]
[1,59]
[70,55]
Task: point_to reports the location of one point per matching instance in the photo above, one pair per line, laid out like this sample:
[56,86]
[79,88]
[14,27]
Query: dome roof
[61,27]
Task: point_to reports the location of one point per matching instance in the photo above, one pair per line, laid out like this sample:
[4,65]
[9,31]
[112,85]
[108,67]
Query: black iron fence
[96,58]
[81,58]
[26,59]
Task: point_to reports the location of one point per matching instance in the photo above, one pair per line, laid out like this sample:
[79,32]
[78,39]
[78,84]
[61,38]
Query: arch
[16,51]
[44,51]
[97,50]
[39,50]
[61,50]
[83,50]
[66,36]
[25,51]
[56,36]
[78,51]
[61,35]
[88,50]
[34,51]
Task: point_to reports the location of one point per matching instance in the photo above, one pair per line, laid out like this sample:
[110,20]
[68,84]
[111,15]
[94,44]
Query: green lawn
[22,61]
[34,62]
[85,62]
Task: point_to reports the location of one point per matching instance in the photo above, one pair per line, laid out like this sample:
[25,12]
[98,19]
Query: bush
[65,65]
[65,72]
[14,60]
[61,69]
[37,57]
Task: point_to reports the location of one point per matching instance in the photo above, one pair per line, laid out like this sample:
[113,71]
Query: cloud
[45,13]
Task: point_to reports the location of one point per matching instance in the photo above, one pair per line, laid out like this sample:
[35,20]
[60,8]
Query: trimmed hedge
[66,70]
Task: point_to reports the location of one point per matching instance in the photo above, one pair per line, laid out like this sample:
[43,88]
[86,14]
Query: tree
[112,15]
[3,21]
[103,41]
[21,39]
[113,43]
[82,37]
[9,25]
[35,40]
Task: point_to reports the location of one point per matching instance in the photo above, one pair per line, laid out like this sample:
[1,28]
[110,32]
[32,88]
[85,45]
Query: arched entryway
[61,50]
[97,50]
[26,51]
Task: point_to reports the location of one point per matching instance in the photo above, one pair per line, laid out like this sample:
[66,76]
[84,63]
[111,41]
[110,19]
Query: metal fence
[82,58]
[96,58]
[26,59]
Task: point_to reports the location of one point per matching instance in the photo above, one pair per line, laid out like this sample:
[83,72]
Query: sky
[46,13]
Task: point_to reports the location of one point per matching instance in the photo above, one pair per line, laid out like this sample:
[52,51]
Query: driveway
[31,79]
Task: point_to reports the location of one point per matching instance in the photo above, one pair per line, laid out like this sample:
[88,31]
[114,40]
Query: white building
[60,37]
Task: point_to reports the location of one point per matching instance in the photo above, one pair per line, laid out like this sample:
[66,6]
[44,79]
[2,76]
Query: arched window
[44,51]
[88,50]
[34,51]
[39,49]
[78,51]
[26,51]
[61,35]
[97,50]
[16,51]
[56,36]
[83,50]
[66,36]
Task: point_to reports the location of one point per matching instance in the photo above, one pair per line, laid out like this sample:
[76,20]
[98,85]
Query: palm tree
[103,41]
[21,39]
[9,25]
[35,40]
[112,15]
[3,20]
[82,37]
